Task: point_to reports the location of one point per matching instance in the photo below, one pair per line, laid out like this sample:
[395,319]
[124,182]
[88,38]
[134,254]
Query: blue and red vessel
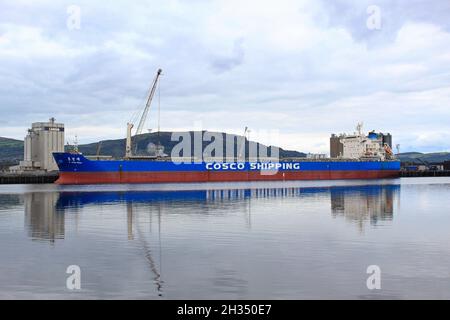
[74,168]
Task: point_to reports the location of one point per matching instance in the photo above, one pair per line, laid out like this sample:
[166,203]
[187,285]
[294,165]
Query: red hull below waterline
[183,176]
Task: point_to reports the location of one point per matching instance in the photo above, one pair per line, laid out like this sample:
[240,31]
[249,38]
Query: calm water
[239,241]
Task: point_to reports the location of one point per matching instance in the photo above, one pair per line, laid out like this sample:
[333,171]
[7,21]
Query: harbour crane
[425,163]
[140,126]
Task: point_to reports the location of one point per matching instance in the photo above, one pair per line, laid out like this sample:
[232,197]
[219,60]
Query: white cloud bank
[303,68]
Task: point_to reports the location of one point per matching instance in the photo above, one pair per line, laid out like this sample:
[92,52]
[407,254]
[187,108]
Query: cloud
[347,14]
[303,68]
[222,64]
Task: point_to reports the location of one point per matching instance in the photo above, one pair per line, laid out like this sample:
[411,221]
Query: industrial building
[336,146]
[42,140]
[316,156]
[358,145]
[446,165]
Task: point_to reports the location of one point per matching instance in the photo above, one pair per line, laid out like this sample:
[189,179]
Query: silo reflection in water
[41,218]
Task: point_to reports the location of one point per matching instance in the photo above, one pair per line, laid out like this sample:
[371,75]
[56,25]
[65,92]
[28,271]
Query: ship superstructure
[376,146]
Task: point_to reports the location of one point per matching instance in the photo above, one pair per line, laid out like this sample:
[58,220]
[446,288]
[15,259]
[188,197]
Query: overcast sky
[303,69]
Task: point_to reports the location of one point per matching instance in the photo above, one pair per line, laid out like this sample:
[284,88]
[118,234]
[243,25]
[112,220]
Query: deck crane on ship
[130,125]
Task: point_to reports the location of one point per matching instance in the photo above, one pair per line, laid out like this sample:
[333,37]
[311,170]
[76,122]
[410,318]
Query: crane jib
[149,101]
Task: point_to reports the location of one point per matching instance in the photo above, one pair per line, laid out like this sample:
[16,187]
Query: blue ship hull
[76,169]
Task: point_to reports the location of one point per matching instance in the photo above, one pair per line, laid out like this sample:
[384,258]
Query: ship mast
[128,144]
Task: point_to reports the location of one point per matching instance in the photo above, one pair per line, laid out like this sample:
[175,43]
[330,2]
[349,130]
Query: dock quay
[28,177]
[51,177]
[425,173]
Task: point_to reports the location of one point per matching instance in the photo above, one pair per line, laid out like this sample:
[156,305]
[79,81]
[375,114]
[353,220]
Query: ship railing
[223,159]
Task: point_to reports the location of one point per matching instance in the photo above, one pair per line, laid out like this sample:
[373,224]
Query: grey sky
[302,68]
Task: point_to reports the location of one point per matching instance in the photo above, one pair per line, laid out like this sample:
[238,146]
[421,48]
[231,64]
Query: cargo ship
[363,157]
[77,169]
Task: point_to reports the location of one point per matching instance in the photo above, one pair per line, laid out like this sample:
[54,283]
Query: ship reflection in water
[44,212]
[256,243]
[372,203]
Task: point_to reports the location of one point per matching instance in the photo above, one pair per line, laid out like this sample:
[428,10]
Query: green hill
[11,151]
[116,148]
[420,158]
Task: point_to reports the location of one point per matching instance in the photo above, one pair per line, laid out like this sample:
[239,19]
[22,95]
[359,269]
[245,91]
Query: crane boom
[147,105]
